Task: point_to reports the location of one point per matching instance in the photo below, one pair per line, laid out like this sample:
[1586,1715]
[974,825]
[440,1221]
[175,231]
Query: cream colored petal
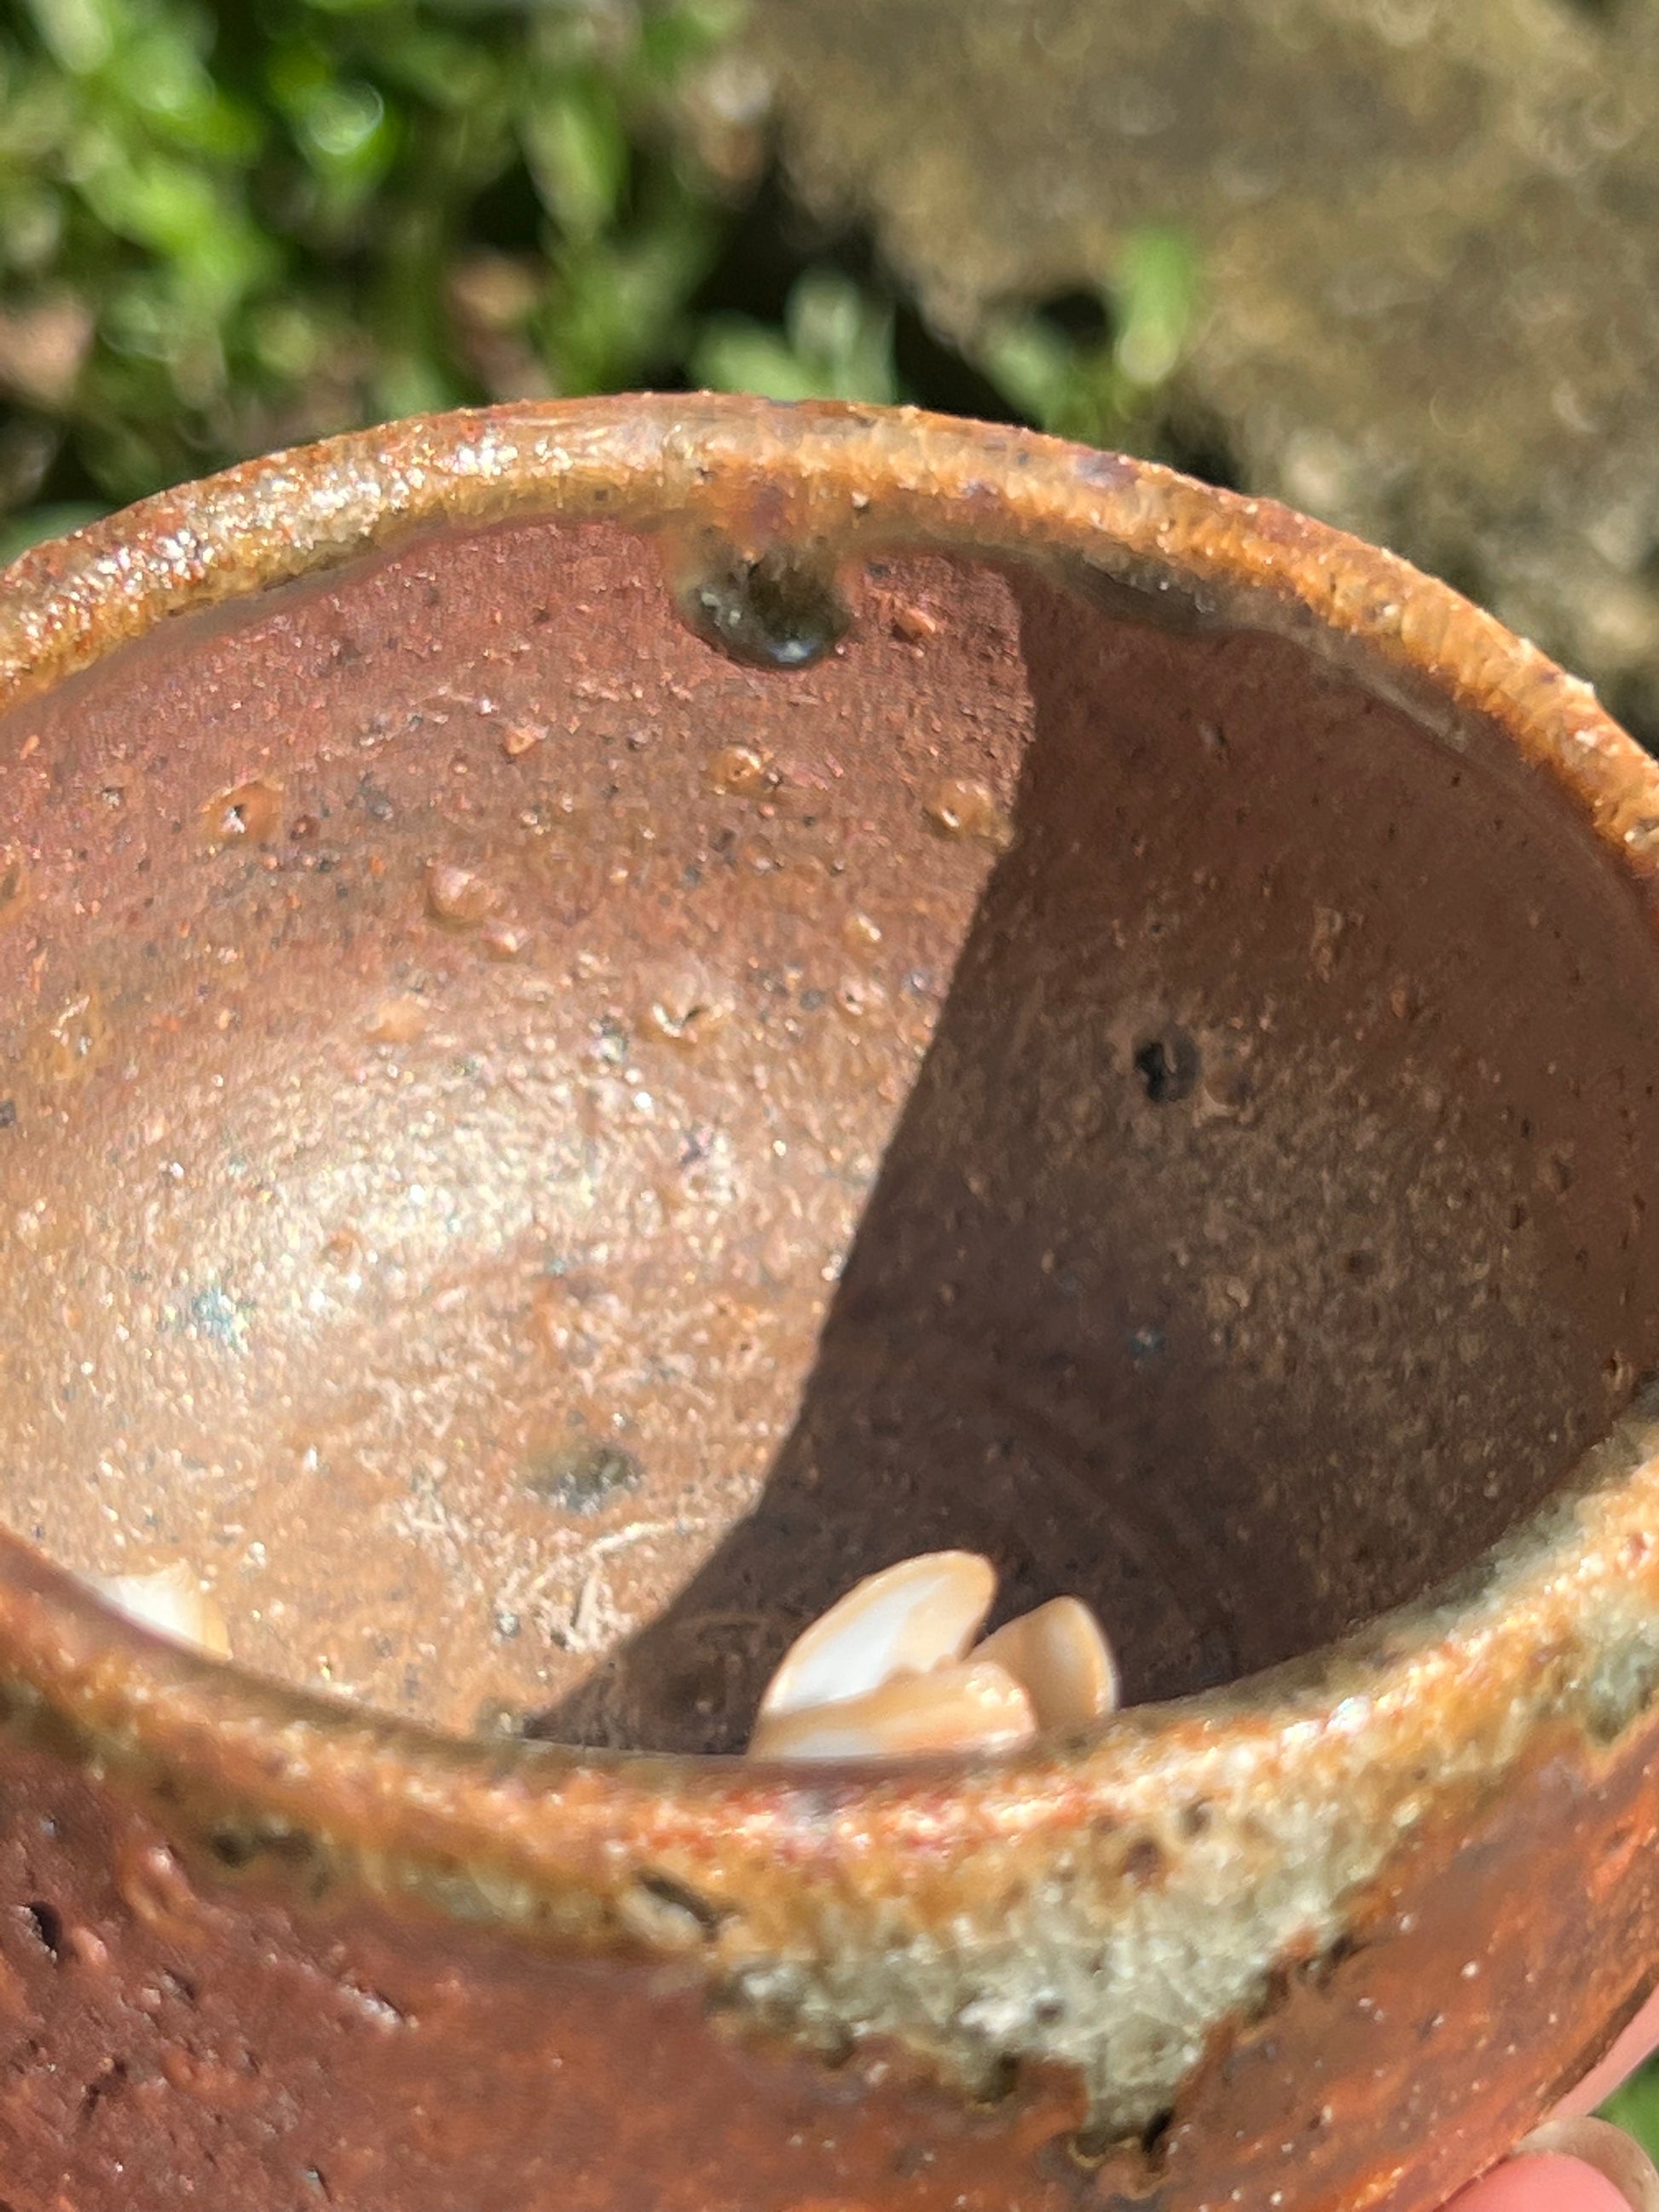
[974,1707]
[921,1613]
[172,1602]
[1064,1662]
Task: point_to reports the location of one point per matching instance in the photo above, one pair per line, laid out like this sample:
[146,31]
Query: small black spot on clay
[710,1916]
[1168,1068]
[1155,2136]
[997,2083]
[1319,1969]
[1143,1861]
[238,1847]
[1268,1997]
[106,2084]
[48,1923]
[584,1478]
[1194,1818]
[8,1113]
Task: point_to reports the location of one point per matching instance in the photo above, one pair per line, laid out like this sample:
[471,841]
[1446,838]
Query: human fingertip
[1541,2181]
[1616,2155]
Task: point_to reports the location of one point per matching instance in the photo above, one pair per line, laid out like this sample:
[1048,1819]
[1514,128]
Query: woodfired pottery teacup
[613,1014]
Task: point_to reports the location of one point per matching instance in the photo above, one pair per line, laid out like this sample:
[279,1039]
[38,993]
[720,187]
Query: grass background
[227,225]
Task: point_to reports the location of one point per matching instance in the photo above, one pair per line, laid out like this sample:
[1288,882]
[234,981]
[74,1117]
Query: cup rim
[1439,1695]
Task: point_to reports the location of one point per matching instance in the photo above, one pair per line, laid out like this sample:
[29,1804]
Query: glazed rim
[1308,1774]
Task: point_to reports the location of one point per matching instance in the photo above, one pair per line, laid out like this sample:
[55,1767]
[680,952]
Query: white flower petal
[172,1602]
[921,1613]
[1060,1654]
[974,1707]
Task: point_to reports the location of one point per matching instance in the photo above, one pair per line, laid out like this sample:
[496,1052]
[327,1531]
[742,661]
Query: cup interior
[534,1151]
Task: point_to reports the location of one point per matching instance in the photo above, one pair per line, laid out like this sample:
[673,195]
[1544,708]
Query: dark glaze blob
[780,608]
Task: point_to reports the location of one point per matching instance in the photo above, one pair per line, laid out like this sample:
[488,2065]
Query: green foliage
[1104,391]
[230,225]
[227,226]
[1635,2107]
[836,342]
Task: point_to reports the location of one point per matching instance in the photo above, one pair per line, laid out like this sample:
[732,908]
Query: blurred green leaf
[736,353]
[1033,365]
[79,34]
[579,155]
[1635,2106]
[1156,293]
[837,343]
[1105,390]
[673,40]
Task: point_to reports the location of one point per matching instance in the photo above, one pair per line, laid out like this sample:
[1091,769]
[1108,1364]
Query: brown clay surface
[478,1230]
[166,2041]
